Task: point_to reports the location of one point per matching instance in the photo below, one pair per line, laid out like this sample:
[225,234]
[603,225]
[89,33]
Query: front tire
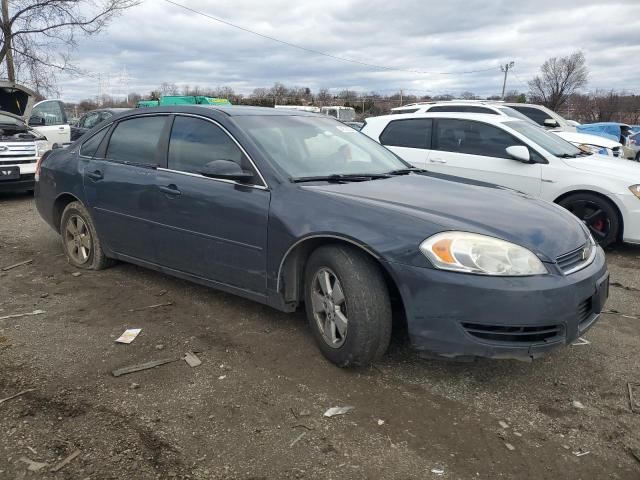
[80,241]
[347,305]
[598,214]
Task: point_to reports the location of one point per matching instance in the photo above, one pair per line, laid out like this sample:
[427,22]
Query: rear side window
[410,133]
[538,116]
[196,142]
[473,138]
[462,109]
[136,140]
[89,148]
[405,110]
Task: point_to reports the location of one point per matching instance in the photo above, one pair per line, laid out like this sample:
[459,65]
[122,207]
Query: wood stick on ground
[17,395]
[65,462]
[143,366]
[15,265]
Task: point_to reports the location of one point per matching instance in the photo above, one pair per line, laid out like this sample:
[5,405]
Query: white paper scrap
[129,335]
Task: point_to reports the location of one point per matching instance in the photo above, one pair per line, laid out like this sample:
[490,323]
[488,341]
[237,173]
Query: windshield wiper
[567,155]
[341,177]
[404,171]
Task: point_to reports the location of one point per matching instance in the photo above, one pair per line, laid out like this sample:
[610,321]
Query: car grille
[576,260]
[584,310]
[514,334]
[17,162]
[17,150]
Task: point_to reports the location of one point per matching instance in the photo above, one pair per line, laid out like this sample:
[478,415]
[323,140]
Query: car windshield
[309,146]
[550,142]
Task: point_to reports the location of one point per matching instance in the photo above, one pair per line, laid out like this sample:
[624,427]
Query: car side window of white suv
[408,133]
[473,138]
[462,109]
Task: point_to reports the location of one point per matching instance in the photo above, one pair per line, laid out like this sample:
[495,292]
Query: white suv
[533,113]
[602,191]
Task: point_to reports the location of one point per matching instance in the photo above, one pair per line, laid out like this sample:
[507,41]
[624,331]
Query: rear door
[409,138]
[120,181]
[49,118]
[211,228]
[477,150]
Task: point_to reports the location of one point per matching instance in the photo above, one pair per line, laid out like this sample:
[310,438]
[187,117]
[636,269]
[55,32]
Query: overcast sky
[158,42]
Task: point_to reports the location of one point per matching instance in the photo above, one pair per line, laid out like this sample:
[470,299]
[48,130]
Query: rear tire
[80,241]
[598,214]
[638,157]
[347,305]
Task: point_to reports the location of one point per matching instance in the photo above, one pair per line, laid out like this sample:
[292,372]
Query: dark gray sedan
[290,208]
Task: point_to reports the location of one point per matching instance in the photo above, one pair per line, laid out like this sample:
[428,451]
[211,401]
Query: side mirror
[550,122]
[56,146]
[226,169]
[36,122]
[519,153]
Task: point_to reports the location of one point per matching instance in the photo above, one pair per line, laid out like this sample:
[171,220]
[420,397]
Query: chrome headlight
[480,254]
[41,147]
[635,189]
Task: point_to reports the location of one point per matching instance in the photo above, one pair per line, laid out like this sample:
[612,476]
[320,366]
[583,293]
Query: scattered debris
[76,274]
[304,413]
[333,411]
[134,385]
[624,287]
[298,438]
[161,293]
[578,404]
[31,465]
[566,447]
[517,434]
[222,377]
[437,471]
[303,426]
[143,366]
[634,453]
[158,305]
[509,446]
[32,450]
[129,335]
[19,315]
[160,347]
[17,395]
[16,265]
[633,405]
[580,341]
[581,453]
[65,462]
[503,424]
[44,295]
[192,360]
[380,422]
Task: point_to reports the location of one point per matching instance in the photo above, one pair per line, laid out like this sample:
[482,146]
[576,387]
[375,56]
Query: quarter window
[410,133]
[136,140]
[195,142]
[90,147]
[473,138]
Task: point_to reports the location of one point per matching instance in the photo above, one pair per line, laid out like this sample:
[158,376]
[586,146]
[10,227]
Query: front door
[477,150]
[120,186]
[48,118]
[410,139]
[211,228]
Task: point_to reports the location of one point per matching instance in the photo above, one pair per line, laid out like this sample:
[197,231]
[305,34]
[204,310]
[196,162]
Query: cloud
[159,42]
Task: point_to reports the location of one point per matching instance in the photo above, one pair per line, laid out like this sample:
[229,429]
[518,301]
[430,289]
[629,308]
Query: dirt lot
[254,408]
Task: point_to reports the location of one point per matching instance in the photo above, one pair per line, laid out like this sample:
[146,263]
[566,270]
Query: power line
[318,52]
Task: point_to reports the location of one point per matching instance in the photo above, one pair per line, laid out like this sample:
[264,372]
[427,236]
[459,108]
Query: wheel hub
[329,307]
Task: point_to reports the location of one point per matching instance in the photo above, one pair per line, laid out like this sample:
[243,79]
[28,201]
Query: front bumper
[456,315]
[25,182]
[630,206]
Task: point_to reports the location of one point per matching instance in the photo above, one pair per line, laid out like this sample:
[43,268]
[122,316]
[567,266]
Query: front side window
[538,116]
[473,138]
[49,112]
[195,142]
[410,133]
[305,146]
[136,140]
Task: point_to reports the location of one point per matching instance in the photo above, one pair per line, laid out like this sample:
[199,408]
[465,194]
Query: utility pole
[505,68]
[6,28]
[400,97]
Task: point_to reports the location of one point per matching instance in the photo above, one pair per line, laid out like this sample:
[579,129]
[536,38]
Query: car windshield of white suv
[551,143]
[310,148]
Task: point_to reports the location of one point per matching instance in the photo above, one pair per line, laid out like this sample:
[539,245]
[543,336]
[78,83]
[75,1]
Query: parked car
[603,192]
[49,118]
[20,145]
[289,208]
[91,119]
[613,130]
[634,143]
[593,143]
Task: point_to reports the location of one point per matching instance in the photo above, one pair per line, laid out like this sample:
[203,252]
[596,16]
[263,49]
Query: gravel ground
[254,408]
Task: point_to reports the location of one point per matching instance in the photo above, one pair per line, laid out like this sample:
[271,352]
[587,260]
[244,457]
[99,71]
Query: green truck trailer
[183,100]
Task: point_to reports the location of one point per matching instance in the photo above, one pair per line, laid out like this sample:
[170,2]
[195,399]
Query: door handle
[170,190]
[437,160]
[95,175]
[61,128]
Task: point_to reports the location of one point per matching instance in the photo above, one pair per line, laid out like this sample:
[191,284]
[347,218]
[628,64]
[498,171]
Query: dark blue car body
[254,240]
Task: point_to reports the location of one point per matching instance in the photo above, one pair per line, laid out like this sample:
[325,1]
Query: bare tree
[168,88]
[559,78]
[468,96]
[38,35]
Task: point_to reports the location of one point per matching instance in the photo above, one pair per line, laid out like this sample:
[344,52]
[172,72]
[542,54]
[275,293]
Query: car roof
[485,117]
[242,110]
[470,103]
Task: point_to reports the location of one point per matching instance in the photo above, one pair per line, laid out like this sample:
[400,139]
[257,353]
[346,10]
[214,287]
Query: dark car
[91,119]
[289,208]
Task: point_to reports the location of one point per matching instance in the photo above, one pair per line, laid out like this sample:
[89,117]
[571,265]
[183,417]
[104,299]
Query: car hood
[16,100]
[453,203]
[587,138]
[608,167]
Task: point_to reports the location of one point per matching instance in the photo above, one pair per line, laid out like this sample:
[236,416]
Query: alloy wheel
[329,307]
[78,239]
[593,216]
